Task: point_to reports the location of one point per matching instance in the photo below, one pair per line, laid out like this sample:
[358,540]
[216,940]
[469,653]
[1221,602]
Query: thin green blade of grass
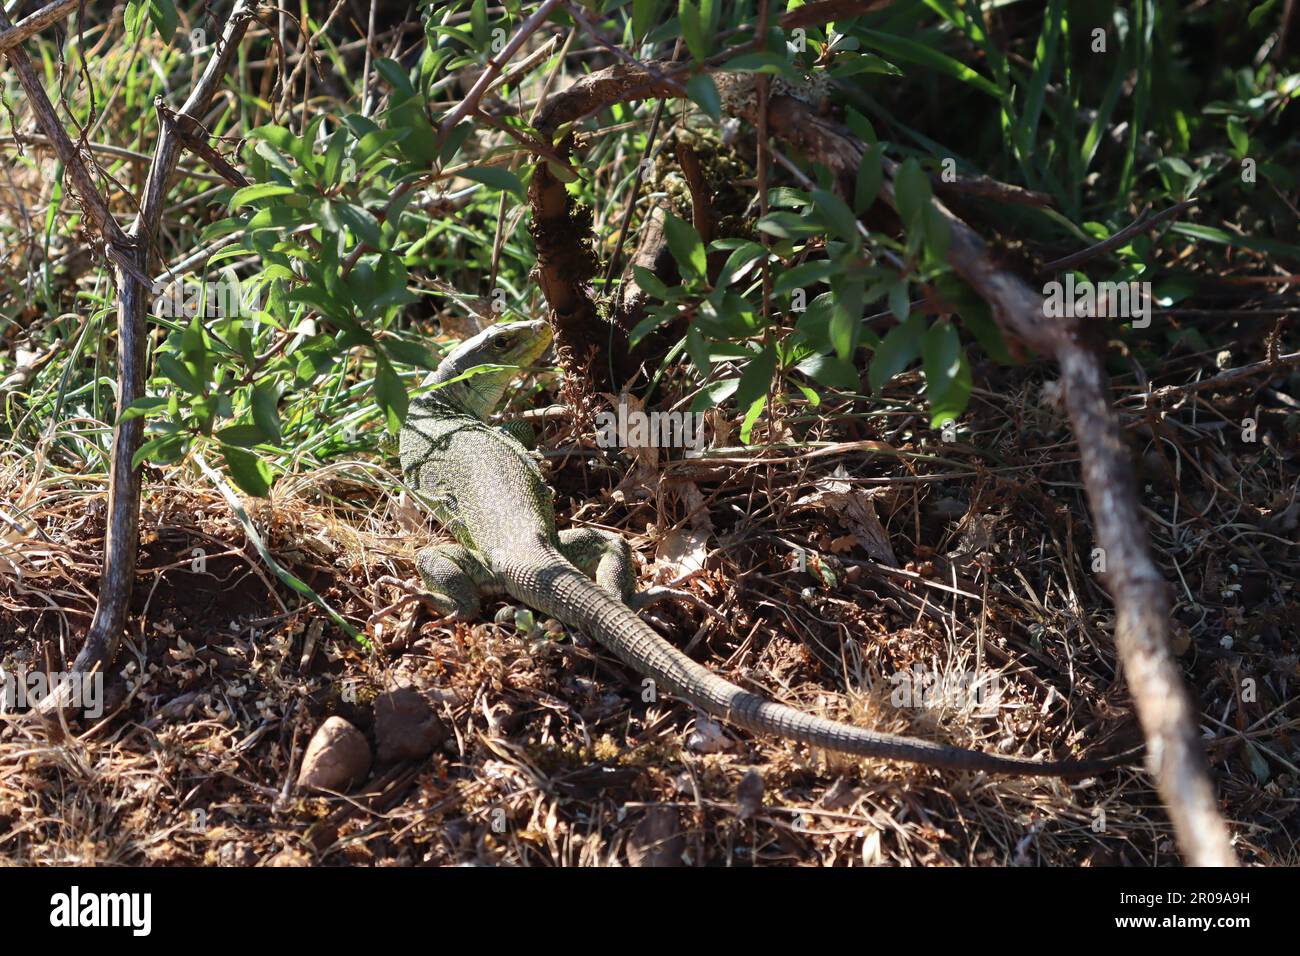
[1143,34]
[911,51]
[280,571]
[1044,60]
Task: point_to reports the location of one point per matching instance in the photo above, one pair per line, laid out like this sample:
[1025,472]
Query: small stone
[289,856]
[406,727]
[749,794]
[657,840]
[707,737]
[840,795]
[337,757]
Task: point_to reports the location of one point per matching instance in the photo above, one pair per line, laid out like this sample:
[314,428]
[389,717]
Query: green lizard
[486,489]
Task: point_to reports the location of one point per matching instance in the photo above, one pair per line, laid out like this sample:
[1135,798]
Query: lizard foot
[453,577]
[603,556]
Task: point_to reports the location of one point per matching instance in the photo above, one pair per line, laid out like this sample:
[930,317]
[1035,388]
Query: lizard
[485,488]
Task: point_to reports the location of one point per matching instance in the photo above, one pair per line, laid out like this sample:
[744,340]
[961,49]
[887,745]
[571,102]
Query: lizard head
[511,345]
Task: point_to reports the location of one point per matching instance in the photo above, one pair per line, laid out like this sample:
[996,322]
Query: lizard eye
[501,343]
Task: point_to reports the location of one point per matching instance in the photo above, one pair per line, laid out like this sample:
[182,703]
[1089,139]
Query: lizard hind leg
[604,556]
[454,578]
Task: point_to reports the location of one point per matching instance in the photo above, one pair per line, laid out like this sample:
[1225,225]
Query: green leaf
[132,17]
[837,215]
[937,231]
[948,404]
[250,194]
[698,349]
[163,449]
[846,319]
[899,302]
[830,371]
[704,92]
[744,257]
[804,275]
[811,395]
[243,435]
[897,350]
[1258,765]
[762,61]
[496,177]
[714,394]
[281,138]
[393,72]
[391,396]
[478,23]
[372,144]
[912,192]
[265,414]
[910,51]
[651,283]
[361,223]
[164,17]
[686,247]
[870,176]
[410,353]
[756,379]
[863,63]
[751,417]
[1237,133]
[644,14]
[940,355]
[142,407]
[788,225]
[179,373]
[693,30]
[251,474]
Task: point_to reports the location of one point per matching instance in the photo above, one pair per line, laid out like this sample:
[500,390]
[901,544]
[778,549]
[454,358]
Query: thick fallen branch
[1139,591]
[131,254]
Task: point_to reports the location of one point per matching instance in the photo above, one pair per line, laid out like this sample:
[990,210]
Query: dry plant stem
[118,152]
[470,102]
[986,187]
[33,23]
[1223,378]
[116,244]
[132,257]
[122,537]
[1164,708]
[1118,239]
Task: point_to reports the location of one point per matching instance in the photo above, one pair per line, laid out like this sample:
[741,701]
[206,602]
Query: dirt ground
[945,559]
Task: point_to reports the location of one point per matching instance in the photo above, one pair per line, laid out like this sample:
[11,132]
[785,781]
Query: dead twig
[470,103]
[15,34]
[1118,239]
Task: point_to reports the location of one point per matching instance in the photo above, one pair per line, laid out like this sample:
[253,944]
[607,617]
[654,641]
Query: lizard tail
[549,583]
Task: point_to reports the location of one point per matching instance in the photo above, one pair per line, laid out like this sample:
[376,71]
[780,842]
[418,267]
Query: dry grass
[553,759]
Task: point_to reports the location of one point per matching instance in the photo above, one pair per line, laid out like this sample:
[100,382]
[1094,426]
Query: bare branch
[1118,239]
[33,23]
[470,103]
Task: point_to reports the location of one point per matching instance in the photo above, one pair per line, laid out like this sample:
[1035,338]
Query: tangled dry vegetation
[950,558]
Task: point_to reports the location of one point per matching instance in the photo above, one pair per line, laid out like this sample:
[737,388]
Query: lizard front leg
[603,556]
[455,579]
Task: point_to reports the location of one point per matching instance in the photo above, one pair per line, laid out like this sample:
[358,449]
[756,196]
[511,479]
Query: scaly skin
[487,491]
